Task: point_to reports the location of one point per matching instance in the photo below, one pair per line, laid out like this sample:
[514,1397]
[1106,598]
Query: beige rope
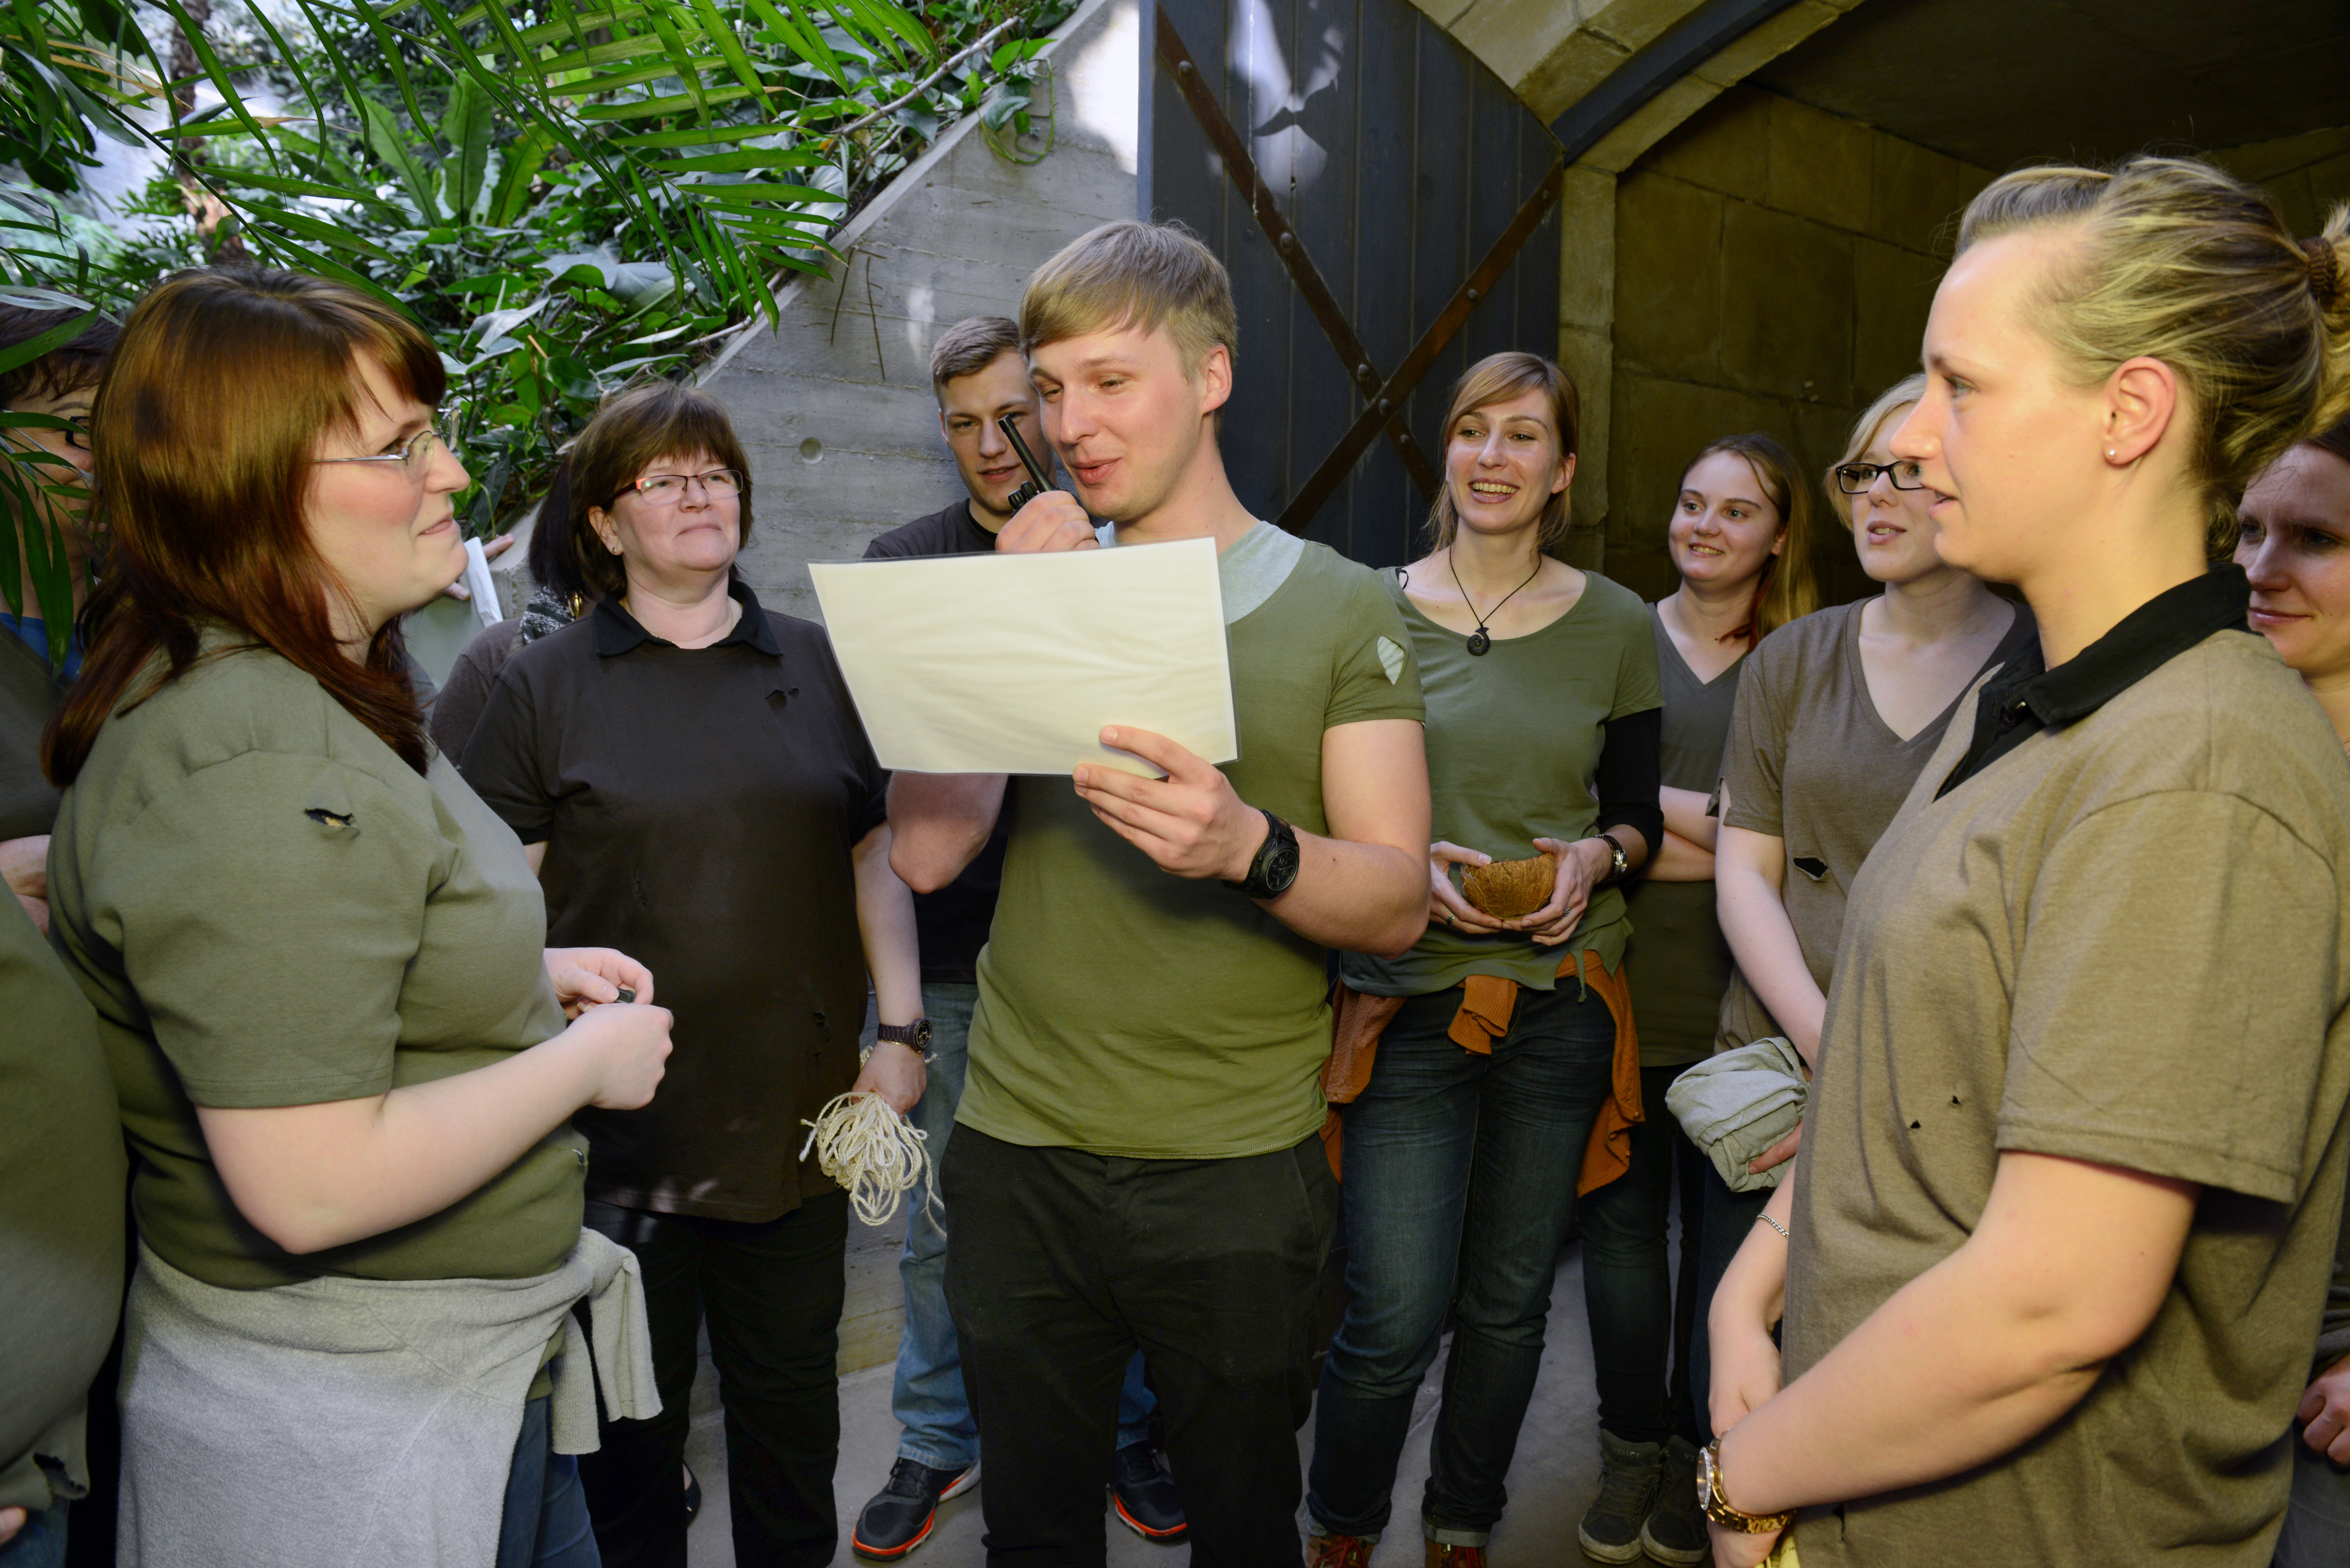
[874,1153]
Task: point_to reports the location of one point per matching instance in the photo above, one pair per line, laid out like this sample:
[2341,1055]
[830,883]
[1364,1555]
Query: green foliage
[566,194]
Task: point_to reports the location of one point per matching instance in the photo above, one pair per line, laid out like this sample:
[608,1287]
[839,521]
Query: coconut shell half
[1509,889]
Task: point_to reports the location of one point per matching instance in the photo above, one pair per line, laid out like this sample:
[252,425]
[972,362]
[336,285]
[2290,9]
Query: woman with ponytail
[2054,1252]
[318,960]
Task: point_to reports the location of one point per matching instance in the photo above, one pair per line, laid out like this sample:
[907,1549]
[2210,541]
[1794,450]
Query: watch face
[1281,865]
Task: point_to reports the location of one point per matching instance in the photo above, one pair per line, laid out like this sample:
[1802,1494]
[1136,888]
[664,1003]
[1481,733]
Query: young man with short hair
[980,376]
[1135,1161]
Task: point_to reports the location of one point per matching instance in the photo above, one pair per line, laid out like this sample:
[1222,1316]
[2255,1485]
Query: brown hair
[1788,588]
[971,346]
[2334,438]
[1496,379]
[2181,262]
[70,366]
[222,382]
[1133,273]
[657,420]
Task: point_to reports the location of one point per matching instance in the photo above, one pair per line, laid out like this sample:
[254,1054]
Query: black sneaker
[1628,1475]
[900,1515]
[1675,1532]
[1143,1493]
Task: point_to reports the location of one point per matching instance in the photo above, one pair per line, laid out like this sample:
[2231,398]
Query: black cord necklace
[1481,641]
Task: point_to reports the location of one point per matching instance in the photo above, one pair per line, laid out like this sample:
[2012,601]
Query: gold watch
[1718,1507]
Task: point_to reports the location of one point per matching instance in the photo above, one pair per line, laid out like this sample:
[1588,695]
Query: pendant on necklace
[1479,642]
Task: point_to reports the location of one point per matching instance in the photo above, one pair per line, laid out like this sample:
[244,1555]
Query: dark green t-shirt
[29,803]
[61,1176]
[1125,1012]
[269,907]
[1513,744]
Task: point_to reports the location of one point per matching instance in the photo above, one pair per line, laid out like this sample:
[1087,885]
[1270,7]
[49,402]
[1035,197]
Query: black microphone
[1038,481]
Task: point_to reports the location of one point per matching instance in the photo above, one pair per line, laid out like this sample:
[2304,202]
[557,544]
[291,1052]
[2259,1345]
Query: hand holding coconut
[1544,896]
[1448,904]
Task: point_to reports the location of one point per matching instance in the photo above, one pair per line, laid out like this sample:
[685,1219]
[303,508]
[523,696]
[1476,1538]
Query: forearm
[1685,815]
[938,822]
[1752,1294]
[1681,860]
[1362,897]
[1762,941]
[312,1177]
[885,921]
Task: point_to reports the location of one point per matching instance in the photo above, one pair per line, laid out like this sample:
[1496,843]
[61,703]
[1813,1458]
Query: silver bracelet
[1766,1220]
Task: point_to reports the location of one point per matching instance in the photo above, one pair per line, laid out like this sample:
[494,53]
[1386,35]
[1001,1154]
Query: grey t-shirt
[2122,942]
[1680,963]
[1810,763]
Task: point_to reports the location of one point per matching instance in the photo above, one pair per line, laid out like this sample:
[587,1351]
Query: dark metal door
[1390,214]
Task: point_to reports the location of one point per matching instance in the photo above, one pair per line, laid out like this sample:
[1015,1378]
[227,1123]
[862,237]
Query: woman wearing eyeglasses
[318,965]
[691,778]
[1837,714]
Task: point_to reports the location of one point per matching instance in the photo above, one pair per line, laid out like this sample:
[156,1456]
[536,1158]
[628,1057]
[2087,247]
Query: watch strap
[1718,1508]
[917,1034]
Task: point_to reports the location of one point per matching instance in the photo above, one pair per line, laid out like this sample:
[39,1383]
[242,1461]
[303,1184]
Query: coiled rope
[874,1153]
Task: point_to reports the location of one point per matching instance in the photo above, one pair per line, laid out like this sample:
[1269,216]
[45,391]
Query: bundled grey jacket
[1737,1105]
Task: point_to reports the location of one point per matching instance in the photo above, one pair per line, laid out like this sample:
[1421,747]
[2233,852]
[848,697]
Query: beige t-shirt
[2122,942]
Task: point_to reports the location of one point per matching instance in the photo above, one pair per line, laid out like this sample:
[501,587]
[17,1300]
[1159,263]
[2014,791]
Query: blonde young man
[980,376]
[1135,1164]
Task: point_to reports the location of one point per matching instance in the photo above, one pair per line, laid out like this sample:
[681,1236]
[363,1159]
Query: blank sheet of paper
[1012,664]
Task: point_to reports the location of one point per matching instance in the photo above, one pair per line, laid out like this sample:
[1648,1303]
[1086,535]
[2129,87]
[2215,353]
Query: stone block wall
[1774,266]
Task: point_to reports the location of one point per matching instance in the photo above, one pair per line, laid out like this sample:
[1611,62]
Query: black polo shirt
[699,807]
[2026,696]
[953,921]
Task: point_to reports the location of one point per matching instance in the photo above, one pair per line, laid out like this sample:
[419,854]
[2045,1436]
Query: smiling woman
[339,1041]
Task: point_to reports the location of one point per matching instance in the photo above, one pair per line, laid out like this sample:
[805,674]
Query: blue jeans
[1459,1182]
[1642,1304]
[2317,1522]
[929,1399]
[545,1520]
[41,1542]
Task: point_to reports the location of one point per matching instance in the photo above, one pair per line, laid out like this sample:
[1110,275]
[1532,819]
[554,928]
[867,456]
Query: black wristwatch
[916,1034]
[1275,868]
[1619,867]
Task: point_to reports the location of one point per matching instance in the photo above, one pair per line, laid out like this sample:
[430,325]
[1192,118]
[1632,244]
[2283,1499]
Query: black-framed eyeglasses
[668,489]
[1855,478]
[74,433]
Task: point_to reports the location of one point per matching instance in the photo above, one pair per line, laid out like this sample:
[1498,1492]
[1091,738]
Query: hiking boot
[1143,1493]
[1629,1474]
[1675,1532]
[900,1515]
[1338,1552]
[1445,1554]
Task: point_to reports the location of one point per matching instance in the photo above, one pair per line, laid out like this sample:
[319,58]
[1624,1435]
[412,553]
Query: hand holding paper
[1190,823]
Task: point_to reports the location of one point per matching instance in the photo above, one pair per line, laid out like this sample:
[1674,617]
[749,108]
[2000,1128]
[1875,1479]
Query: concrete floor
[1554,1480]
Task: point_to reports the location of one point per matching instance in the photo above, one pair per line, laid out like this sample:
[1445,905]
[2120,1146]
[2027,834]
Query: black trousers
[1061,1264]
[774,1294]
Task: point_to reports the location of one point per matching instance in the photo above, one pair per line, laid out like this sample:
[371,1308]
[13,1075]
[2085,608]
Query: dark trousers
[1062,1264]
[1723,1225]
[1643,1303]
[773,1292]
[1461,1173]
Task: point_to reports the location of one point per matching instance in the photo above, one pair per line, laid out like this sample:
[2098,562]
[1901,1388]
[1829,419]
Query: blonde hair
[1909,389]
[1496,379]
[2181,262]
[1788,588]
[1131,273]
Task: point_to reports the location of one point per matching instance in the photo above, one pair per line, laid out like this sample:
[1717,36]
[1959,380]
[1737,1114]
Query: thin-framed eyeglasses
[414,453]
[1855,478]
[75,435]
[668,489]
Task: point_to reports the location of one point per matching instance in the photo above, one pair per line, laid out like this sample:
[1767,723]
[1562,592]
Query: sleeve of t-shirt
[873,779]
[459,706]
[1757,749]
[2172,995]
[1639,685]
[507,760]
[1374,675]
[268,908]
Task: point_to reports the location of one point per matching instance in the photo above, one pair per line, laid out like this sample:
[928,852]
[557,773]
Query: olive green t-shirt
[1514,742]
[61,1185]
[269,907]
[2123,942]
[1125,1012]
[29,691]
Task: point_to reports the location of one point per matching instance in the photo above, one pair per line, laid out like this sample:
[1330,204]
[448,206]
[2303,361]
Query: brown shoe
[1337,1552]
[1443,1555]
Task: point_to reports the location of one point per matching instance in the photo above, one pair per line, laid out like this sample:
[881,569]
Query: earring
[2109,454]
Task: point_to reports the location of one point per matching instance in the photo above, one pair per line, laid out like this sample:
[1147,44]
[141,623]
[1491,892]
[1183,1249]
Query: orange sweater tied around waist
[1486,1003]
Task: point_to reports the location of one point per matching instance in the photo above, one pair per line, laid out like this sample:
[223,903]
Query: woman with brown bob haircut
[319,968]
[1505,1059]
[693,782]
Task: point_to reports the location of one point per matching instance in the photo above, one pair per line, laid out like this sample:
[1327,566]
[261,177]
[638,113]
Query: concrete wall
[1774,266]
[834,405]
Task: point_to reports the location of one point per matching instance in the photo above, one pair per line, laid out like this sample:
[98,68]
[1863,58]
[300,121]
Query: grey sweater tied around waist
[357,1423]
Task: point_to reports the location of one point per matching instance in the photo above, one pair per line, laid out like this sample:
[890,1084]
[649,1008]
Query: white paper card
[1012,664]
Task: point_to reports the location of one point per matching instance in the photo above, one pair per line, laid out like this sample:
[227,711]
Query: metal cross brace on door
[1384,396]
